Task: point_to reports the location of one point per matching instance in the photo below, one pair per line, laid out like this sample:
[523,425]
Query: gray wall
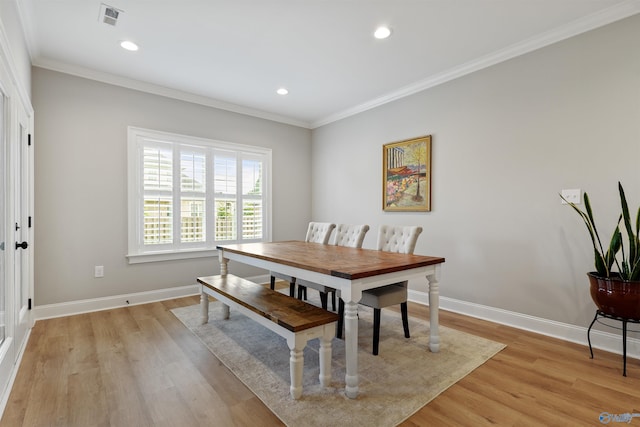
[506,140]
[81,183]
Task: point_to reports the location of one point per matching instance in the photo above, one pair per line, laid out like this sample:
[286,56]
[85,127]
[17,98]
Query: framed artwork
[406,175]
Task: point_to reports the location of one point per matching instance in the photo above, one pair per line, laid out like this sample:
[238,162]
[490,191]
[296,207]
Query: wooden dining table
[349,270]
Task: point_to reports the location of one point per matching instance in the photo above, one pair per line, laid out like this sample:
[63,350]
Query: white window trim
[135,255]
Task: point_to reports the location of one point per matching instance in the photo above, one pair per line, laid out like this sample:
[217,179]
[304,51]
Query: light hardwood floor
[139,366]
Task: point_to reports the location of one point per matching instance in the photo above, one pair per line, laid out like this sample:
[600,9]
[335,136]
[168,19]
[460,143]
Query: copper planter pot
[616,297]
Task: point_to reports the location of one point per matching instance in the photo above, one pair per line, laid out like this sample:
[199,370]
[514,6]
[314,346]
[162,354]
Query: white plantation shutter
[225,166]
[193,185]
[186,195]
[158,198]
[252,193]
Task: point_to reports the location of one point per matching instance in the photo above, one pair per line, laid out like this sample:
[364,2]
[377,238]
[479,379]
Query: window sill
[171,256]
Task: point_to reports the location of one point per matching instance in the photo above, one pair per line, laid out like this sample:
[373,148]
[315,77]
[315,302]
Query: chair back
[319,232]
[350,235]
[398,238]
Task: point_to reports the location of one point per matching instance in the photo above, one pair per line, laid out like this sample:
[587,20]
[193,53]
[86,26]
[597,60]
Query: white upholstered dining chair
[346,235]
[317,232]
[397,239]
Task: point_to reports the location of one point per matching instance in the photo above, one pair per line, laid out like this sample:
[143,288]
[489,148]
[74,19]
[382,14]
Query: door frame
[17,111]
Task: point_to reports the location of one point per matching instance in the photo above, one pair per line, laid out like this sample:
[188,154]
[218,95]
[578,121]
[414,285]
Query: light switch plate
[98,271]
[571,195]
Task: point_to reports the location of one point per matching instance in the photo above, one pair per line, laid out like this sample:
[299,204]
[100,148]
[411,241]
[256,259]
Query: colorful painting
[407,175]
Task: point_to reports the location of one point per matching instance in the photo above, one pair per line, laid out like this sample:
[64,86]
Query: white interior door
[22,227]
[16,202]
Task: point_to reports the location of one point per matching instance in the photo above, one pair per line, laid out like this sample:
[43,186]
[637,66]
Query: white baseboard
[96,304]
[607,341]
[49,311]
[577,334]
[602,340]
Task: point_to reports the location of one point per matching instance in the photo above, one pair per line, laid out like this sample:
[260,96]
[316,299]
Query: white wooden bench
[295,320]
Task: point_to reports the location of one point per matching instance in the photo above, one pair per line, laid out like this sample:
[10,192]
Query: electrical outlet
[98,271]
[571,195]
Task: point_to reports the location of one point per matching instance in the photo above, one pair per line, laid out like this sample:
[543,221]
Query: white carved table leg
[296,364]
[204,305]
[224,270]
[225,311]
[328,332]
[351,348]
[224,263]
[434,307]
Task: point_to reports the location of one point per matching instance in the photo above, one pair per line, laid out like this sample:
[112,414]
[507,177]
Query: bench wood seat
[288,312]
[295,320]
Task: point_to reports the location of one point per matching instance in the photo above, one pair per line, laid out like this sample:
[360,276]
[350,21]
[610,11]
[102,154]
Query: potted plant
[615,285]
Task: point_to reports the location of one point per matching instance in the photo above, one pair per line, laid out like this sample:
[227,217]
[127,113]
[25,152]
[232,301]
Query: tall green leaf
[599,260]
[614,247]
[628,265]
[634,273]
[633,244]
[587,206]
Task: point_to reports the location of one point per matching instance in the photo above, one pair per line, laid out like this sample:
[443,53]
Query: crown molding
[622,10]
[163,91]
[607,16]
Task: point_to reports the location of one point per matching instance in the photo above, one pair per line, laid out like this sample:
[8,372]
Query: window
[187,194]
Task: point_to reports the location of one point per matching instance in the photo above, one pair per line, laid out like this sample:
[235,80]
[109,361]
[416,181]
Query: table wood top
[337,261]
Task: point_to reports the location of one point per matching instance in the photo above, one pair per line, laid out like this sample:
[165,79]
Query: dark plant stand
[624,335]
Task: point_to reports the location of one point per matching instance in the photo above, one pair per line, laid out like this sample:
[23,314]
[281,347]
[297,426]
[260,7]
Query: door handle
[23,245]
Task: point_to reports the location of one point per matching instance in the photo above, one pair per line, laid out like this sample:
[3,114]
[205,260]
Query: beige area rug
[403,378]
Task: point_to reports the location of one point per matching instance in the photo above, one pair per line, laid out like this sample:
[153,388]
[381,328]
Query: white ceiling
[234,54]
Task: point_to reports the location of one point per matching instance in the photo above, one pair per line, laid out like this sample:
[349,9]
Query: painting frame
[406,175]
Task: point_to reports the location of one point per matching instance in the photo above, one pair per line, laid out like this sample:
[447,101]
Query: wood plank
[288,312]
[50,382]
[550,372]
[528,382]
[222,380]
[338,261]
[122,391]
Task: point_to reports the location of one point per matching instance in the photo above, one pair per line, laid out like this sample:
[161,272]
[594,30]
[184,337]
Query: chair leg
[292,289]
[323,299]
[376,330]
[273,283]
[333,300]
[405,319]
[340,319]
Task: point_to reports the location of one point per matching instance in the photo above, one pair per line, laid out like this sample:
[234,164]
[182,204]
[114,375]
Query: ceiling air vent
[109,14]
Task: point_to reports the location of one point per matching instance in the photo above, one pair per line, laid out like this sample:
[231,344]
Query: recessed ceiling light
[282,91]
[129,45]
[382,33]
